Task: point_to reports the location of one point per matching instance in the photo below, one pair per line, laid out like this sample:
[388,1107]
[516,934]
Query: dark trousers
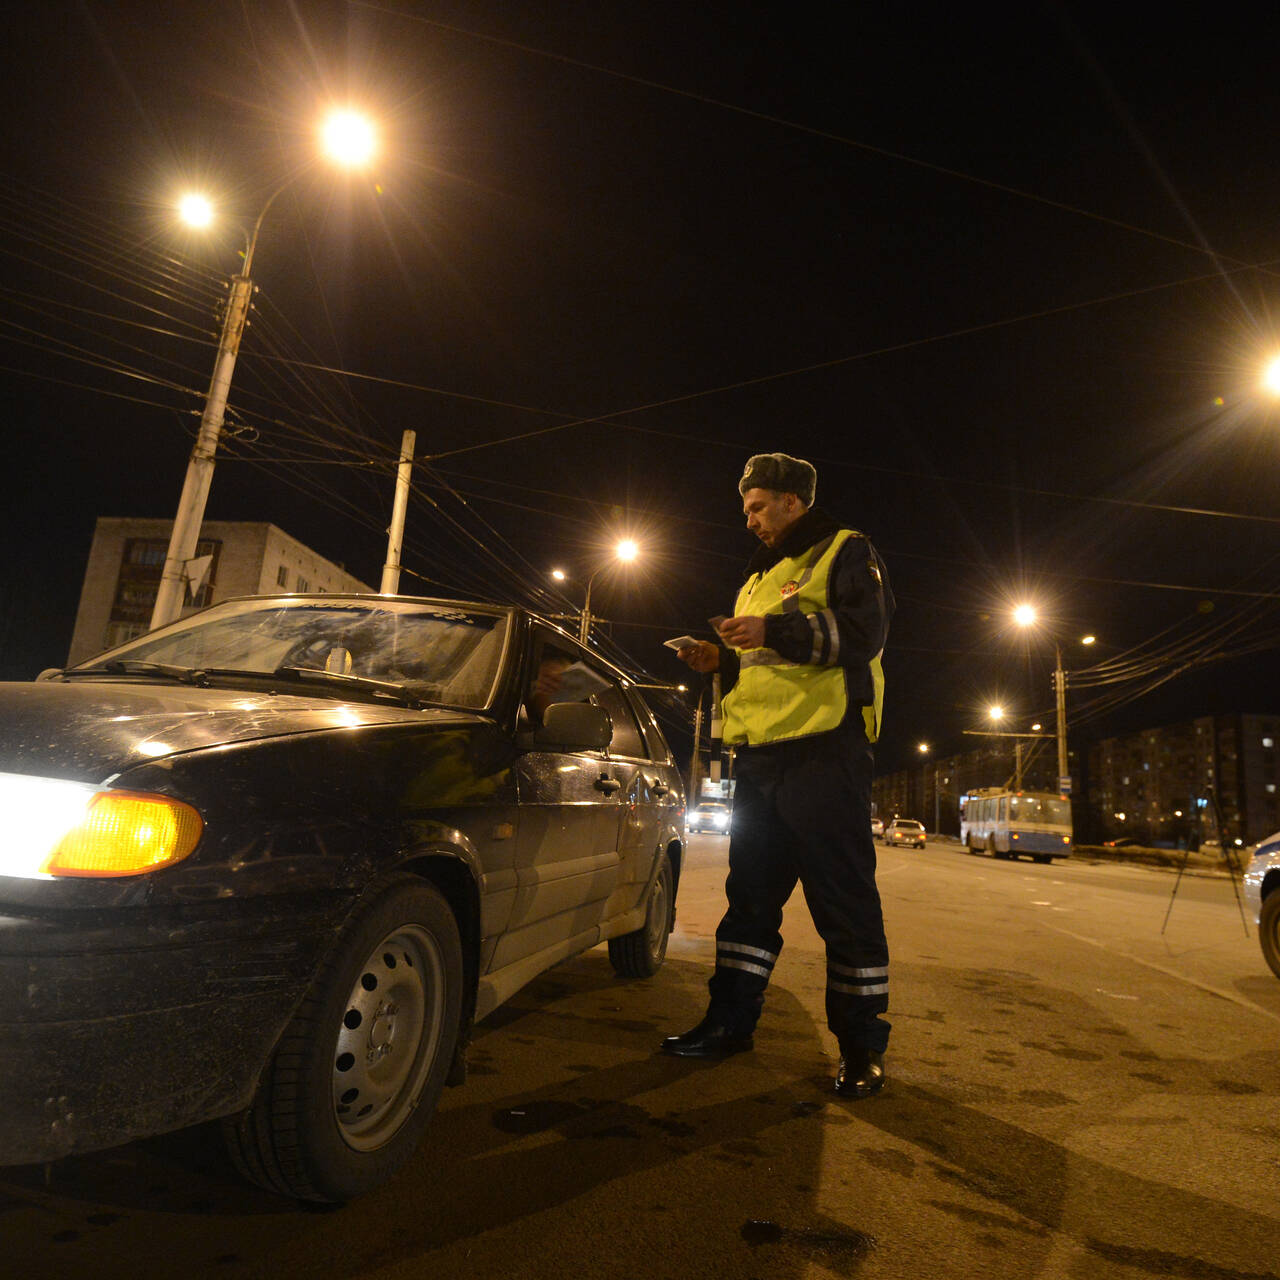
[802,811]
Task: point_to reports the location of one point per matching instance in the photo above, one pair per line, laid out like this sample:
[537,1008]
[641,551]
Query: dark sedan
[271,863]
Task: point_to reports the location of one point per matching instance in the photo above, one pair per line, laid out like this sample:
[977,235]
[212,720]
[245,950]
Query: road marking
[1169,973]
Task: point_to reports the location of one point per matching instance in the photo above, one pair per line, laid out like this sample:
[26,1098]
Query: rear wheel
[640,954]
[1269,930]
[355,1078]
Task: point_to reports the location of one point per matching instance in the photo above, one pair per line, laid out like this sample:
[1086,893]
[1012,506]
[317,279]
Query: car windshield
[441,653]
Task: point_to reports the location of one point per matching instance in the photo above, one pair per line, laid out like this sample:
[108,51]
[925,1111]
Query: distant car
[710,816]
[906,832]
[877,828]
[1262,893]
[270,864]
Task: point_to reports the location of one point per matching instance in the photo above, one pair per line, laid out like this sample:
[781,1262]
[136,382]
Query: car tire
[1269,930]
[355,1078]
[640,954]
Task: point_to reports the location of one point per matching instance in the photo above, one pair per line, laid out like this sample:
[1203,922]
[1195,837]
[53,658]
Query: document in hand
[578,683]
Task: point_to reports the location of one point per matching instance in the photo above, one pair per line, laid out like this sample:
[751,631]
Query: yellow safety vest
[775,700]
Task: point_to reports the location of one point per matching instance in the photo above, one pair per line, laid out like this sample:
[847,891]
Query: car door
[567,862]
[640,761]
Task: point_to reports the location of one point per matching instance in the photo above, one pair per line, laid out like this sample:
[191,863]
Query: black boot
[711,1038]
[860,1074]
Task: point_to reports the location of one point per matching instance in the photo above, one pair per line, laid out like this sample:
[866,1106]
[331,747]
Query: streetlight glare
[1088,639]
[195,210]
[996,712]
[923,748]
[1271,376]
[559,575]
[627,550]
[348,138]
[1025,615]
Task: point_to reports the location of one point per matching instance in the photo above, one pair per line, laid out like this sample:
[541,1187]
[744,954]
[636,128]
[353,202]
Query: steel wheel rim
[658,912]
[388,1037]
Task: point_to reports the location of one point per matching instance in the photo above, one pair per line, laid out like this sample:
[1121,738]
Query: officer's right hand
[703,656]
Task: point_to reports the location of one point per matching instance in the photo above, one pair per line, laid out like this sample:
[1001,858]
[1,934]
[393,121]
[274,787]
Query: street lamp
[1271,376]
[346,144]
[1025,615]
[626,551]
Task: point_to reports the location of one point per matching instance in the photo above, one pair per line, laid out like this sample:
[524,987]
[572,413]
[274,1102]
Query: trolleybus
[1008,823]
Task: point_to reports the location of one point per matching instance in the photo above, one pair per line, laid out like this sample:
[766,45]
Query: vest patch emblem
[789,588]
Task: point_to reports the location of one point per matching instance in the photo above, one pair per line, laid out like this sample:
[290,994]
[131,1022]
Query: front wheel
[640,954]
[356,1076]
[1269,930]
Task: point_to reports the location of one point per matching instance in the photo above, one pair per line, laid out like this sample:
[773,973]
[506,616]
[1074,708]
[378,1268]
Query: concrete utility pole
[195,488]
[1060,700]
[395,534]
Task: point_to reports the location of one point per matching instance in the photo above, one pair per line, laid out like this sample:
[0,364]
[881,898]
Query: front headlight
[56,828]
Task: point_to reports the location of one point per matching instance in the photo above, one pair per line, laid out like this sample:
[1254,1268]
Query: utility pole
[1060,701]
[195,487]
[395,534]
[695,767]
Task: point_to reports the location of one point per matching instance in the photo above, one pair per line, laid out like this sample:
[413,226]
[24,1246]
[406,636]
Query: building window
[282,577]
[140,570]
[303,584]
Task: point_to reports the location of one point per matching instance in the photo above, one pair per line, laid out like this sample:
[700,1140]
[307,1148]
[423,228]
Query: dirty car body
[270,863]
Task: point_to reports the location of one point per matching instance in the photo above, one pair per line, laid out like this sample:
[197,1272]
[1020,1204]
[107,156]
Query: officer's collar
[811,528]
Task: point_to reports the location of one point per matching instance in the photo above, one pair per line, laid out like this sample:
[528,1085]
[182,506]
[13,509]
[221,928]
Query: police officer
[800,666]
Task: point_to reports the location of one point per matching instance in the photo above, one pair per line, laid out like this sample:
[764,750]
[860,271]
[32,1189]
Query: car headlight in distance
[56,828]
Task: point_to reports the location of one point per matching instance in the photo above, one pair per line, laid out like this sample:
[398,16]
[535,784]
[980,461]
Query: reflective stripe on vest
[775,699]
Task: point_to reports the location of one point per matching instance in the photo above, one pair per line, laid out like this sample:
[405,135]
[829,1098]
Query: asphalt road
[1071,1094]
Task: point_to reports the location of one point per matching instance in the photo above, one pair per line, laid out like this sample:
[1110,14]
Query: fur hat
[781,473]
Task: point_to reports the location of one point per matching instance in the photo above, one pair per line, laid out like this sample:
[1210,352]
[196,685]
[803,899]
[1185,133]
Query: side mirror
[574,726]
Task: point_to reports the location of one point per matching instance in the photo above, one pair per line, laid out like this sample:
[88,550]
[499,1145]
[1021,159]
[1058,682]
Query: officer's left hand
[744,632]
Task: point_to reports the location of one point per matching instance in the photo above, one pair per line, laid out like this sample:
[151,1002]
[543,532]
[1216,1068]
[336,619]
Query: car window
[627,740]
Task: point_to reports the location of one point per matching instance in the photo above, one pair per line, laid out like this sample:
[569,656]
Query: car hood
[91,731]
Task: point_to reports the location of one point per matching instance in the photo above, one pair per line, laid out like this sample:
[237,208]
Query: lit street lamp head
[195,210]
[1025,615]
[348,138]
[1271,376]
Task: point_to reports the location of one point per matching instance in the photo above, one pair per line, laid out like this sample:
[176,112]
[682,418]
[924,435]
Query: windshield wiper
[136,667]
[385,688]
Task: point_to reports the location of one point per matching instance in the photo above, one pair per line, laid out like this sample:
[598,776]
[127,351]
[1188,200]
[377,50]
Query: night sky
[1003,273]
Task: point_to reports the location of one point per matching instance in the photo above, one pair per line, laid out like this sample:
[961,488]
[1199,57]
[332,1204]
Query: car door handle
[659,788]
[607,784]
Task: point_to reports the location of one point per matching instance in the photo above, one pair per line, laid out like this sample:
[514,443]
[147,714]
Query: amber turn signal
[126,833]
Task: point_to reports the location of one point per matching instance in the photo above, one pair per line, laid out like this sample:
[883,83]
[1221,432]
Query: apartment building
[239,558]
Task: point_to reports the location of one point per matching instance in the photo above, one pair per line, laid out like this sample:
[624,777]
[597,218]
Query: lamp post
[1025,615]
[348,141]
[626,551]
